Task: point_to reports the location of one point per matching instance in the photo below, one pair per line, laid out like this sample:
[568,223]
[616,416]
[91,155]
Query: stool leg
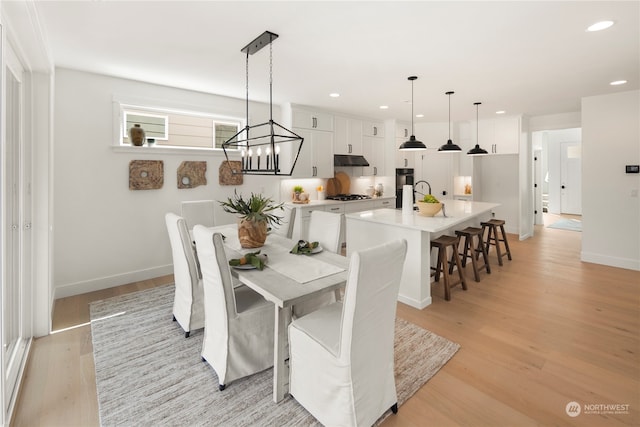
[463,282]
[497,244]
[437,269]
[481,248]
[465,251]
[445,272]
[468,246]
[506,243]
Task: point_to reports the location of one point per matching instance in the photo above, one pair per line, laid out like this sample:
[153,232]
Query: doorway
[557,172]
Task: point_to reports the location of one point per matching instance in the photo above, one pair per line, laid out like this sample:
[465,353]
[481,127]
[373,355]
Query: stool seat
[495,235]
[444,266]
[473,251]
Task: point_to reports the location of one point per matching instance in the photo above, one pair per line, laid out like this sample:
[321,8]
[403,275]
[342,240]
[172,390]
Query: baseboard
[626,263]
[415,303]
[78,288]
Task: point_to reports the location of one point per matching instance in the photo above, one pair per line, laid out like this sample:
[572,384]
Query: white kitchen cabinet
[506,133]
[347,135]
[403,130]
[373,129]
[316,156]
[373,150]
[384,204]
[308,119]
[404,159]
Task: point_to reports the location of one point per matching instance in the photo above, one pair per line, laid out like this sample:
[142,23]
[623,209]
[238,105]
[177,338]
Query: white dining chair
[239,322]
[198,212]
[288,218]
[341,356]
[326,229]
[188,301]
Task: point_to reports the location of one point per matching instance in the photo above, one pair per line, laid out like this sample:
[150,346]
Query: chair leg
[186,334]
[174,319]
[394,408]
[221,387]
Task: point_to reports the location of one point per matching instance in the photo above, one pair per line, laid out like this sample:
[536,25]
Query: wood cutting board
[333,187]
[345,182]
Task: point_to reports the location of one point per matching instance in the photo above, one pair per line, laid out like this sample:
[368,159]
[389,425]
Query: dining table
[286,280]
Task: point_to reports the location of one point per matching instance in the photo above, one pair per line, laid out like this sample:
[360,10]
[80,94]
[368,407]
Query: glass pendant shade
[449,147]
[412,144]
[477,150]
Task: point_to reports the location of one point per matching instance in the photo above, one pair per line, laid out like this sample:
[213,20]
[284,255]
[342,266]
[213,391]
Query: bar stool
[494,239]
[473,251]
[442,243]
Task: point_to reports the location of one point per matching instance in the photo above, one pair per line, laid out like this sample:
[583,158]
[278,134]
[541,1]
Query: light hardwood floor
[543,330]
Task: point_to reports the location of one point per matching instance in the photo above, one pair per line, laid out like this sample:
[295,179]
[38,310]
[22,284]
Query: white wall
[610,203]
[105,234]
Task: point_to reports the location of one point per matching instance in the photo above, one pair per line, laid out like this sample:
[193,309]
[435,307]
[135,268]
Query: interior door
[571,178]
[16,234]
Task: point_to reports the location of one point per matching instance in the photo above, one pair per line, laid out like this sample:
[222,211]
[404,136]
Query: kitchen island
[375,227]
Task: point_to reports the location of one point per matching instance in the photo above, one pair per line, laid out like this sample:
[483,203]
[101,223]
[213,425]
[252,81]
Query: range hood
[349,160]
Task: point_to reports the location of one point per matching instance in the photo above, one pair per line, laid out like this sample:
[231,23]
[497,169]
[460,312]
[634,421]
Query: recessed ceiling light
[334,95]
[598,26]
[500,112]
[419,115]
[618,82]
[384,107]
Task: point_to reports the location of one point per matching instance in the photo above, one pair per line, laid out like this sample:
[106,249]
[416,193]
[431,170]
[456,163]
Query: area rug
[148,374]
[567,224]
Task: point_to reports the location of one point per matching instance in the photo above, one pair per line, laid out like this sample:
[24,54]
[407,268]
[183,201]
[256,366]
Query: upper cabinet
[347,135]
[316,156]
[404,159]
[307,119]
[500,135]
[373,129]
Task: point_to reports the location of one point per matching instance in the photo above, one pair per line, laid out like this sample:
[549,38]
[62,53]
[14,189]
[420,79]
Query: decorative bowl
[428,209]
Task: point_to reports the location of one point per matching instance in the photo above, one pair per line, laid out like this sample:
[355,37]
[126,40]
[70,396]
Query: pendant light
[412,144]
[269,134]
[449,147]
[477,151]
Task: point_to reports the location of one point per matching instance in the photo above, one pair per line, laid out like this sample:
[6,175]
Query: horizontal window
[180,129]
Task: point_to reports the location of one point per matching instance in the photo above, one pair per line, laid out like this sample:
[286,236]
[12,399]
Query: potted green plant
[299,196]
[255,215]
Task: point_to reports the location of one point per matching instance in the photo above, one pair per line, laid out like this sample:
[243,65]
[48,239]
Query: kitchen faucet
[415,191]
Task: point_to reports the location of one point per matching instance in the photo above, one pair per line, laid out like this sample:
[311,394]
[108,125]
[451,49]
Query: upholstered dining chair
[326,229]
[239,322]
[288,218]
[198,212]
[188,301]
[341,356]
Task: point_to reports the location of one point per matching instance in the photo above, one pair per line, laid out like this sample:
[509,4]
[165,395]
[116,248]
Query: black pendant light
[449,147]
[412,144]
[477,151]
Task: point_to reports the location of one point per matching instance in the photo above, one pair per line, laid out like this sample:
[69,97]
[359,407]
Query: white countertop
[335,202]
[458,211]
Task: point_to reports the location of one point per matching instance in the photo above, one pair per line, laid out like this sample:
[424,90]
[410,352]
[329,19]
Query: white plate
[244,267]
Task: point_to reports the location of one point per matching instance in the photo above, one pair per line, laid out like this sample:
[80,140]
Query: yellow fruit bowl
[428,209]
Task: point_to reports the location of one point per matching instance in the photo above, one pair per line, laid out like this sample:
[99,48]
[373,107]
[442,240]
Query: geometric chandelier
[260,144]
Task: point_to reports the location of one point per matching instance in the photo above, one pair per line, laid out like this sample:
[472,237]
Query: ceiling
[531,58]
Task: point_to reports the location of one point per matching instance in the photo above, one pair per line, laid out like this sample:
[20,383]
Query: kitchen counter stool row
[474,246]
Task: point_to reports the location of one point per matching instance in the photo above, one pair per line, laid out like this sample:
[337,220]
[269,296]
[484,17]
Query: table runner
[301,268]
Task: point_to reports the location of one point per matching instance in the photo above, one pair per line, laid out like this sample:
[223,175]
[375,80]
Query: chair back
[198,212]
[219,296]
[326,229]
[369,311]
[186,269]
[286,228]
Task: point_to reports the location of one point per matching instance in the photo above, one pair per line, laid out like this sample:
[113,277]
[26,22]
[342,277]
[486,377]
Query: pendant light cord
[449,117]
[413,131]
